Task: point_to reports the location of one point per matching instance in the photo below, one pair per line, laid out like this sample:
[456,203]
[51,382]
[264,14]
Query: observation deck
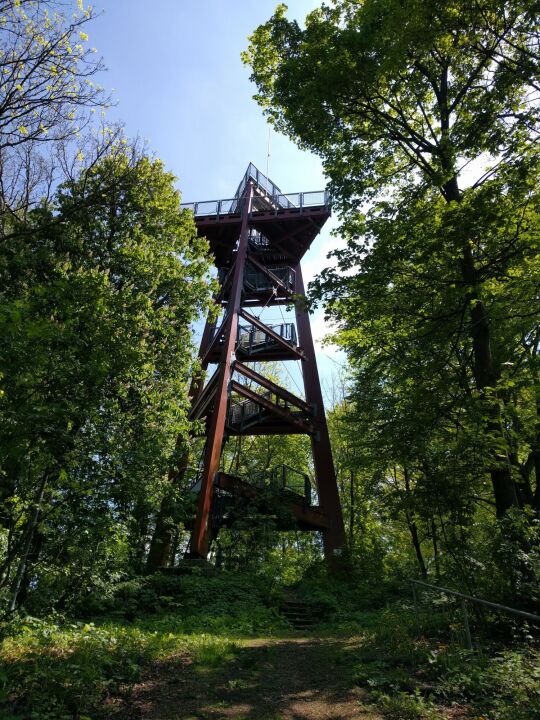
[283,225]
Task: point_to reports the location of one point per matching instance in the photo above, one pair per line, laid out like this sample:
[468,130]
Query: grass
[58,669]
[51,671]
[413,675]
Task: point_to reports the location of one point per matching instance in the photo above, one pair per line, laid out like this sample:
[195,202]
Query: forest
[426,118]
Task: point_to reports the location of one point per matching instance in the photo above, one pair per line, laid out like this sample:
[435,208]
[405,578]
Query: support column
[200,537]
[334,537]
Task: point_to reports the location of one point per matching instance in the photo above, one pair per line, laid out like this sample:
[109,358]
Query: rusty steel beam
[287,417]
[325,474]
[271,333]
[251,374]
[312,518]
[266,428]
[268,215]
[270,275]
[201,404]
[215,340]
[290,232]
[200,536]
[197,383]
[224,287]
[261,300]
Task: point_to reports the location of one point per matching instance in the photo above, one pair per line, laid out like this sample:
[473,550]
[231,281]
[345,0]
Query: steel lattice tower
[258,239]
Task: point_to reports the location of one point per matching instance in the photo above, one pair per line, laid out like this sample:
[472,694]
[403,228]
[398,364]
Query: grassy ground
[267,679]
[209,648]
[54,671]
[418,668]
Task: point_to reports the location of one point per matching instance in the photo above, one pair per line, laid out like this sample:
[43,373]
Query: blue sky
[179,84]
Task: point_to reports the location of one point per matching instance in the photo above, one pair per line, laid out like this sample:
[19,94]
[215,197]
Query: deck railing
[287,478]
[266,203]
[252,339]
[264,183]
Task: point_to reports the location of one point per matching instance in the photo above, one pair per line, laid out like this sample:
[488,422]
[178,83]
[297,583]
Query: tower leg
[200,538]
[334,537]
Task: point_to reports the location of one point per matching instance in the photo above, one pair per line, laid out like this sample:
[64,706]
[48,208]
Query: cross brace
[285,415]
[272,334]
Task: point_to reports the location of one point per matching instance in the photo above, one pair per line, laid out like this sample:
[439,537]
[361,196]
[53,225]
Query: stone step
[299,614]
[289,604]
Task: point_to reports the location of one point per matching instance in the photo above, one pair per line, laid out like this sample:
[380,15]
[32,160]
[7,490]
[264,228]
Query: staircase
[299,614]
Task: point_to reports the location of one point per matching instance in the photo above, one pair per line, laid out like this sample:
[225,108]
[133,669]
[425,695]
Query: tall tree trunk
[536,450]
[160,545]
[162,538]
[413,529]
[352,512]
[141,516]
[175,544]
[411,524]
[435,542]
[27,544]
[484,372]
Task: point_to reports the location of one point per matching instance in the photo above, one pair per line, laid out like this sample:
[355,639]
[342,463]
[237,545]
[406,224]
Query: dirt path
[291,679]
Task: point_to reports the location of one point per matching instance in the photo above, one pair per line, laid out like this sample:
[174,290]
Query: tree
[96,357]
[407,103]
[47,93]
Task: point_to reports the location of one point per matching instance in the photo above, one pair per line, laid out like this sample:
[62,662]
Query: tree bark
[413,529]
[536,450]
[29,536]
[163,535]
[484,372]
[161,543]
[352,511]
[435,541]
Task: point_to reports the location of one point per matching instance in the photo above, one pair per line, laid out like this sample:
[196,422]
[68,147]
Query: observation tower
[258,238]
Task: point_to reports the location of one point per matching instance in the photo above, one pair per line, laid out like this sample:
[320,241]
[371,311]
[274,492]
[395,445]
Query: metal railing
[285,480]
[253,340]
[257,281]
[468,598]
[193,478]
[265,203]
[285,477]
[222,506]
[263,182]
[258,241]
[209,208]
[243,414]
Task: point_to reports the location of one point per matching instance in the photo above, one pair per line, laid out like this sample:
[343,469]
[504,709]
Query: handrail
[262,181]
[480,601]
[280,202]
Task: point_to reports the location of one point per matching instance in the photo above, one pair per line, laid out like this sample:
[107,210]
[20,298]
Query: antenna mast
[268,151]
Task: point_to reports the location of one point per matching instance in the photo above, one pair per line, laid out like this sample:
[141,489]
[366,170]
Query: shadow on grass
[288,679]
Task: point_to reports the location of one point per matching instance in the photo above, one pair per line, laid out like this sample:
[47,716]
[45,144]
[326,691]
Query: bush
[408,675]
[196,599]
[53,669]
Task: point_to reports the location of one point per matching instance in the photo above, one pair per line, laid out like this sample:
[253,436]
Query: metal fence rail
[276,203]
[472,599]
[262,181]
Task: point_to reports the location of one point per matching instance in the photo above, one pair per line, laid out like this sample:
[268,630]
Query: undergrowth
[60,668]
[421,673]
[417,668]
[64,669]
